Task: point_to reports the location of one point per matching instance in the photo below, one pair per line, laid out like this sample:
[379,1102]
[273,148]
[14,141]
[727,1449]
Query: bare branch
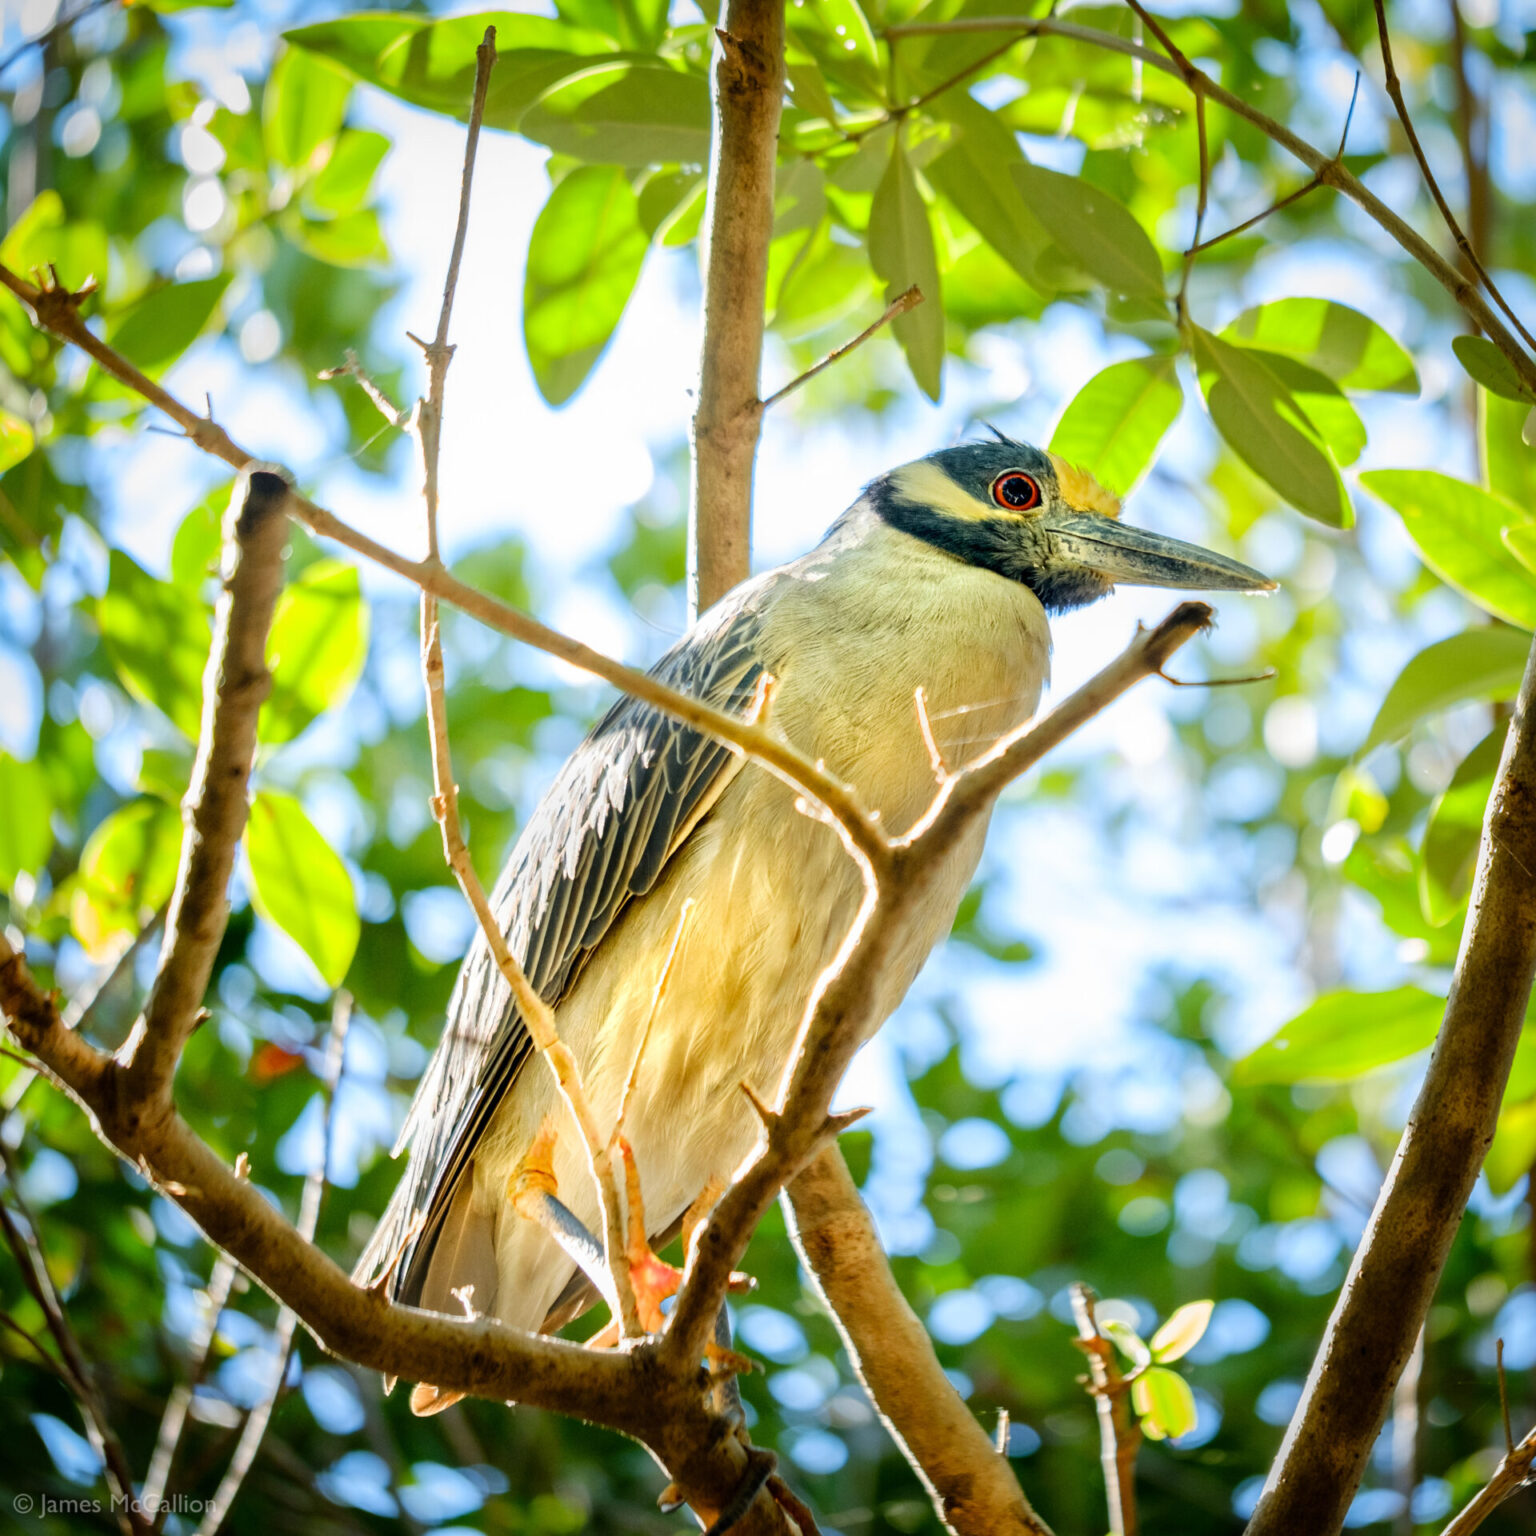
[898,306]
[215,809]
[738,225]
[1400,1257]
[1512,1474]
[1119,1434]
[972,1486]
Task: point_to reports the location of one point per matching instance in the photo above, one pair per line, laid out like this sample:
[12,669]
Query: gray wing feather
[602,834]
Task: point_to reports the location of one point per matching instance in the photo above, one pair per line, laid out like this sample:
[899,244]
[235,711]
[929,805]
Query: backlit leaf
[1097,231]
[1182,1331]
[624,114]
[1458,529]
[1476,665]
[316,650]
[158,638]
[1509,463]
[299,882]
[583,259]
[343,183]
[16,440]
[1127,1341]
[1455,828]
[127,870]
[1343,1035]
[1348,347]
[163,324]
[303,105]
[1115,422]
[26,839]
[1165,1403]
[1489,366]
[902,253]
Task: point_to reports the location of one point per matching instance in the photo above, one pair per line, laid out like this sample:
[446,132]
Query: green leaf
[1514,1142]
[1165,1402]
[1182,1331]
[1321,401]
[1476,665]
[299,883]
[1458,529]
[127,870]
[316,650]
[1127,1341]
[1455,830]
[198,543]
[1340,342]
[1117,419]
[1509,464]
[16,440]
[583,260]
[976,176]
[1097,231]
[1343,1035]
[26,839]
[163,324]
[342,184]
[432,63]
[1265,427]
[45,236]
[303,106]
[1489,366]
[157,637]
[624,114]
[902,253]
[1520,540]
[353,240]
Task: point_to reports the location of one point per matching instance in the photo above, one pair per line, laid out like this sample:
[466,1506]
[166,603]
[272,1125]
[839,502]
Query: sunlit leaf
[1489,366]
[1182,1331]
[1127,1341]
[16,440]
[303,105]
[1097,231]
[1116,420]
[1165,1403]
[158,638]
[624,114]
[584,257]
[44,236]
[1265,427]
[316,649]
[26,839]
[163,324]
[1454,830]
[299,883]
[353,240]
[1514,1142]
[1340,342]
[1344,1034]
[127,870]
[1458,529]
[1476,665]
[902,253]
[1509,463]
[343,183]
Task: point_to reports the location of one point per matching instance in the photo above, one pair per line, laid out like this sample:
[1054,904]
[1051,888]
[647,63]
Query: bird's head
[1033,518]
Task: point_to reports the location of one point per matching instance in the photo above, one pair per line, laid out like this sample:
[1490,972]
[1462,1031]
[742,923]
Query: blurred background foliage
[1177,1035]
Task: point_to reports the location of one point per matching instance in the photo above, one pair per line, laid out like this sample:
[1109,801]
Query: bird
[938,584]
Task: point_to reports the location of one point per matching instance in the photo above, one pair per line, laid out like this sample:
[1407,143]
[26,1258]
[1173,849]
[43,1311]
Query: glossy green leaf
[16,440]
[1458,529]
[316,650]
[583,260]
[1455,829]
[299,883]
[1320,400]
[976,175]
[343,183]
[1265,427]
[157,638]
[1116,420]
[127,870]
[1165,1403]
[624,114]
[1340,342]
[1476,665]
[303,106]
[1514,1142]
[1484,362]
[902,253]
[26,839]
[1509,463]
[1343,1035]
[1182,1330]
[432,63]
[1097,231]
[163,324]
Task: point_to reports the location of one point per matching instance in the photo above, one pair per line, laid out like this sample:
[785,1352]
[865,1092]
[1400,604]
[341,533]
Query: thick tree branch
[738,224]
[1402,1253]
[972,1486]
[216,806]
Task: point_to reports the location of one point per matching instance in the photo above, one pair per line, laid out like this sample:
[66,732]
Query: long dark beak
[1136,557]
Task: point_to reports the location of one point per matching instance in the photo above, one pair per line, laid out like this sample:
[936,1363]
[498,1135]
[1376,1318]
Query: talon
[669,1499]
[727,1362]
[427,1399]
[652,1279]
[535,1175]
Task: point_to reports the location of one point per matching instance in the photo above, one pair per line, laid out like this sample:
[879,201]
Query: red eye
[1015,491]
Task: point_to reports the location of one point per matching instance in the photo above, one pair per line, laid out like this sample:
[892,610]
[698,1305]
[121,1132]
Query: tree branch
[1402,1253]
[972,1486]
[215,809]
[1119,1434]
[738,225]
[898,306]
[1512,1474]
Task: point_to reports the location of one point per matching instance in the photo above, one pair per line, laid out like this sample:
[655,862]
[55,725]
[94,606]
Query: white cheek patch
[928,485]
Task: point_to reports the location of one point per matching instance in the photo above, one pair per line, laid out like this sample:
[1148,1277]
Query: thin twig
[254,1429]
[1509,1433]
[1464,245]
[1202,201]
[26,1249]
[1119,1433]
[1512,1474]
[898,306]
